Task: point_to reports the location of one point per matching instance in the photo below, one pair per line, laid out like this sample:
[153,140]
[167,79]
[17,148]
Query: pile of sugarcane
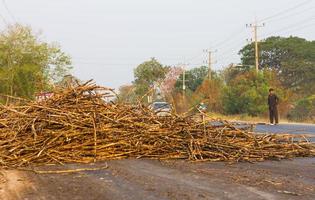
[81,124]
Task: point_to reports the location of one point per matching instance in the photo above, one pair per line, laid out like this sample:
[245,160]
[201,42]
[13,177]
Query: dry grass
[250,119]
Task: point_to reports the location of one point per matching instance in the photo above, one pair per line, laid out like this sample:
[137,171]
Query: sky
[107,39]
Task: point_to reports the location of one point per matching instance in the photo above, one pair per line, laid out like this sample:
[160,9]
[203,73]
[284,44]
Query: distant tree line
[286,64]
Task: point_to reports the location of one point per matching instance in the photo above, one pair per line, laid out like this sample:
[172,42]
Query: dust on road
[152,179]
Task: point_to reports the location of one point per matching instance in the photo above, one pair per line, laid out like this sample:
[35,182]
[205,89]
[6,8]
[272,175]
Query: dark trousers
[273,114]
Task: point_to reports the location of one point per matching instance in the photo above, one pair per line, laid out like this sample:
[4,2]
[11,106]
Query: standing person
[273,101]
[202,109]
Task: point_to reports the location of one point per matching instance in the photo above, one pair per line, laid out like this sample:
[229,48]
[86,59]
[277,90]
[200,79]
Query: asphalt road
[290,128]
[303,129]
[132,179]
[286,128]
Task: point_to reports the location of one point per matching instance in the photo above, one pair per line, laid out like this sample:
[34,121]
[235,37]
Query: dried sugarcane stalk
[95,137]
[77,125]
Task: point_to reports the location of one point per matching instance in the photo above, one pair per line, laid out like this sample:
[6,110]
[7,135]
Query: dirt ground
[152,179]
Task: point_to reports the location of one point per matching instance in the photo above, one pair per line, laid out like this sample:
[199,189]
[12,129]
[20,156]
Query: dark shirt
[273,100]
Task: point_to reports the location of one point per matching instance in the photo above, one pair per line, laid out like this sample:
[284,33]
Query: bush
[246,94]
[303,110]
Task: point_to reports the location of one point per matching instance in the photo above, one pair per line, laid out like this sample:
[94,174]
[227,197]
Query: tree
[292,58]
[233,71]
[168,84]
[246,94]
[147,75]
[127,94]
[209,92]
[304,109]
[27,64]
[194,78]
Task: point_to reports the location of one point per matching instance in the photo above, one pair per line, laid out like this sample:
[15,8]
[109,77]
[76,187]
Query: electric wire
[8,10]
[4,20]
[285,11]
[296,24]
[300,28]
[291,15]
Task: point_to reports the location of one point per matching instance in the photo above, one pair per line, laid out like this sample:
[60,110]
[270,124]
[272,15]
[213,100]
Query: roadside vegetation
[286,64]
[29,65]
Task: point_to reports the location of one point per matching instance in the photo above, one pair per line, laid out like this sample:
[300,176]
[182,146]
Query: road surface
[287,128]
[151,179]
[304,129]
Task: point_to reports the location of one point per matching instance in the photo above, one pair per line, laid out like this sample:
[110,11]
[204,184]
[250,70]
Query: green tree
[304,109]
[233,71]
[194,78]
[147,75]
[246,94]
[292,58]
[27,64]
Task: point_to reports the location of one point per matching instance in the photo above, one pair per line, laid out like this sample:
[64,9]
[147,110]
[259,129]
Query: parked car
[161,108]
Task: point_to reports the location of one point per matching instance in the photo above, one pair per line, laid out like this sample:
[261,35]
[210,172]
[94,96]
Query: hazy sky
[107,39]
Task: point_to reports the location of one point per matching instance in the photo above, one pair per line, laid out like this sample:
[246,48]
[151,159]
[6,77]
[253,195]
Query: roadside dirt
[152,179]
[13,184]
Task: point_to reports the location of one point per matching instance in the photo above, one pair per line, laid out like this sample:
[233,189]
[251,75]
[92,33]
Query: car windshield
[161,106]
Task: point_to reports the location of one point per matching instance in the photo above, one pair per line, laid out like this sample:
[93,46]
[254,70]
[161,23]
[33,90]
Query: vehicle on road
[161,109]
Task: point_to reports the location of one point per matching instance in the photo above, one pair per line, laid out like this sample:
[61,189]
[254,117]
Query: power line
[225,55]
[290,26]
[228,59]
[285,11]
[255,27]
[195,57]
[220,43]
[4,20]
[299,28]
[293,14]
[102,63]
[230,50]
[231,47]
[235,34]
[8,10]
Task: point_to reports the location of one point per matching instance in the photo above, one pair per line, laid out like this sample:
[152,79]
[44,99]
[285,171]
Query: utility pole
[184,79]
[255,27]
[184,85]
[209,63]
[183,103]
